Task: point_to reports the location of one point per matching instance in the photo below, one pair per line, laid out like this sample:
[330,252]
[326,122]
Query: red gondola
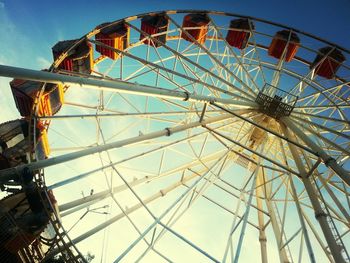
[79,58]
[200,22]
[154,24]
[25,91]
[239,33]
[115,36]
[279,43]
[328,62]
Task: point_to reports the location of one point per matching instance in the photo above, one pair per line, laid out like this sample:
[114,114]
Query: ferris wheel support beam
[334,198]
[246,214]
[320,215]
[325,186]
[262,235]
[328,160]
[116,86]
[283,257]
[11,173]
[299,208]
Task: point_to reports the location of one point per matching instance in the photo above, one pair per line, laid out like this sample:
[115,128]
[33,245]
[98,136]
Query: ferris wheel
[180,136]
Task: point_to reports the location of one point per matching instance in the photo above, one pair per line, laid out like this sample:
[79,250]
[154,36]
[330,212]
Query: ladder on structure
[332,225]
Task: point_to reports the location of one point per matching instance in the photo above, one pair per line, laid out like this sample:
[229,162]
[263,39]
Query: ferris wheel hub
[275,102]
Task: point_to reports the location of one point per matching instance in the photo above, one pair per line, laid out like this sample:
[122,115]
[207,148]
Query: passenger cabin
[284,40]
[154,24]
[327,62]
[239,33]
[25,91]
[199,27]
[15,143]
[23,217]
[115,36]
[78,59]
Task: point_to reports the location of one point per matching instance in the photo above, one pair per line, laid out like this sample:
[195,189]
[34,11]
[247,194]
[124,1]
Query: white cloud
[43,63]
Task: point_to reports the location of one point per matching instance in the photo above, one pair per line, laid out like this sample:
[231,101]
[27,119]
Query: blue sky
[45,20]
[30,28]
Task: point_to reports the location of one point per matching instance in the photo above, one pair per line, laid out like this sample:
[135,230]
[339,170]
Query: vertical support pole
[299,210]
[320,215]
[275,226]
[262,235]
[246,215]
[302,222]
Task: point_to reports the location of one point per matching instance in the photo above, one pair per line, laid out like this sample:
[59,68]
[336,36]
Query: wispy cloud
[43,63]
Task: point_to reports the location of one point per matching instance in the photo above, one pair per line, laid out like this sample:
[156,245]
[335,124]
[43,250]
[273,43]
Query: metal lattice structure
[195,136]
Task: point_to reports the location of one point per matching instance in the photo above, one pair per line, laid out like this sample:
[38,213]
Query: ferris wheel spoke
[239,62]
[178,55]
[128,211]
[311,74]
[114,114]
[264,128]
[174,217]
[115,85]
[331,91]
[335,145]
[154,67]
[158,221]
[323,107]
[256,153]
[202,47]
[317,100]
[325,128]
[125,160]
[255,51]
[194,80]
[304,82]
[277,74]
[11,172]
[322,117]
